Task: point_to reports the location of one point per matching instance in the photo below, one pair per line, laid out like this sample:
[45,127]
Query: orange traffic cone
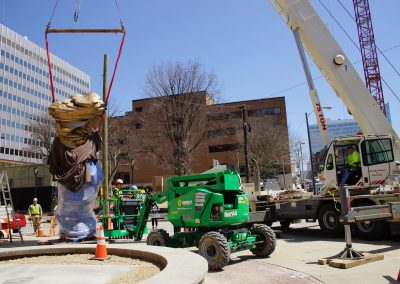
[4,234]
[52,230]
[110,225]
[40,232]
[101,250]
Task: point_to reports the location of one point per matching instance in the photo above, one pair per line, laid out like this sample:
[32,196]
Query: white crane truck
[375,212]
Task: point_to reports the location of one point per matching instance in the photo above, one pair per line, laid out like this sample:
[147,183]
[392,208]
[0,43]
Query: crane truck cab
[376,161]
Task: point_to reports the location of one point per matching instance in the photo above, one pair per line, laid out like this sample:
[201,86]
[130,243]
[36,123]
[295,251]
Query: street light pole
[132,168]
[301,164]
[310,150]
[35,172]
[245,132]
[311,157]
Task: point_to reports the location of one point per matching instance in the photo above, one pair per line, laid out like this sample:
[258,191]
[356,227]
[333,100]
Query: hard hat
[134,187]
[35,199]
[119,181]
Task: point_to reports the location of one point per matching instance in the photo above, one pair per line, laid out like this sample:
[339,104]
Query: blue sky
[245,43]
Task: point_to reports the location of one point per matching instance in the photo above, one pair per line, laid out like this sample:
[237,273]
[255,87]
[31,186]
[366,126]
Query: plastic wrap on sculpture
[75,211]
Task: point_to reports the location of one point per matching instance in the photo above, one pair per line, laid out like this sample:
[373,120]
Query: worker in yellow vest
[353,163]
[35,214]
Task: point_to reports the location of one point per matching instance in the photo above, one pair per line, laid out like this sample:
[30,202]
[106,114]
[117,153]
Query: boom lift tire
[265,234]
[213,246]
[329,222]
[159,238]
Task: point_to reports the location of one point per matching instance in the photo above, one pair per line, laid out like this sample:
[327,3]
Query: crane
[379,145]
[369,55]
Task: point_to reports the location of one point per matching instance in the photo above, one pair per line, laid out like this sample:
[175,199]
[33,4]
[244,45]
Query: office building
[224,127]
[25,93]
[341,127]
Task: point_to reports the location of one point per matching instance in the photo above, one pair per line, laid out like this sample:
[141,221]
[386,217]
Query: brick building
[224,141]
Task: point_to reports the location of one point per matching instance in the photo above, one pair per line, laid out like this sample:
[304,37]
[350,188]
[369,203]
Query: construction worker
[118,185]
[353,163]
[35,214]
[154,218]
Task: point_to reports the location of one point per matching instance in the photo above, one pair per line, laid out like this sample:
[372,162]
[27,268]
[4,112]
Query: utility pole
[301,164]
[105,138]
[245,132]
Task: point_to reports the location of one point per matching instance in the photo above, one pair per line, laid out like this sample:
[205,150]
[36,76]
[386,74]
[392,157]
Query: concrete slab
[60,274]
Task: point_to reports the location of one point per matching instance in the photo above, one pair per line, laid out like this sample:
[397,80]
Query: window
[321,162]
[221,131]
[377,151]
[329,162]
[222,148]
[139,109]
[264,111]
[139,125]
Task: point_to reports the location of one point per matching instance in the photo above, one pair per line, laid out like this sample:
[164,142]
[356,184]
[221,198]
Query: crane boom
[335,66]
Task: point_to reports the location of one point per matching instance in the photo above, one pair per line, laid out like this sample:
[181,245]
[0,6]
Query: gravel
[139,272]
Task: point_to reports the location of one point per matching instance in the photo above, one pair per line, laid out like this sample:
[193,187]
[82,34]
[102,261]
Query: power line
[388,61]
[286,89]
[337,22]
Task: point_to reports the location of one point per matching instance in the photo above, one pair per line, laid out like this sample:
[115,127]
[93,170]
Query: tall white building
[340,127]
[25,92]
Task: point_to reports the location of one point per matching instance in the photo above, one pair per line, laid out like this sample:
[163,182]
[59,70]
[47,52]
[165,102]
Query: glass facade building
[341,127]
[25,92]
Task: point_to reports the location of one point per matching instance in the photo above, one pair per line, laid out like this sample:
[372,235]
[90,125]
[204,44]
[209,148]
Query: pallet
[349,263]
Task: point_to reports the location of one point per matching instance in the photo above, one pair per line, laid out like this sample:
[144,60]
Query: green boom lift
[210,211]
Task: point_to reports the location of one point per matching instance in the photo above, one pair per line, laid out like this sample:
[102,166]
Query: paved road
[295,260]
[296,256]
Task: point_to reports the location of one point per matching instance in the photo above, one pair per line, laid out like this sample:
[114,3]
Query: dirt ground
[141,270]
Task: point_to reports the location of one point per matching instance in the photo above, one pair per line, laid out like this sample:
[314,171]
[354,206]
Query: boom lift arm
[337,69]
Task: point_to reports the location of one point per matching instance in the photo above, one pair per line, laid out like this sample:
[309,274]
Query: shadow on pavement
[391,279]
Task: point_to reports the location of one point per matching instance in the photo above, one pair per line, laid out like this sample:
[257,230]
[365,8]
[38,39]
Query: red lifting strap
[122,30]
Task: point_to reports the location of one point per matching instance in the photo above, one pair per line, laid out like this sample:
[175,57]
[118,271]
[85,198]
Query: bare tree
[183,91]
[270,143]
[121,141]
[43,133]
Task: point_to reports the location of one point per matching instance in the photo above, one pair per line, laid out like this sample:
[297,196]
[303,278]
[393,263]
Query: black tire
[159,238]
[371,230]
[329,222]
[214,248]
[269,223]
[265,234]
[285,224]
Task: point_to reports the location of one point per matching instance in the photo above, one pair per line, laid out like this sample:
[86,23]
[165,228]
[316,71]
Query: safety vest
[35,209]
[353,159]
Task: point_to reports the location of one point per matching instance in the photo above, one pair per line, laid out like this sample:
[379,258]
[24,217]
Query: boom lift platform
[124,214]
